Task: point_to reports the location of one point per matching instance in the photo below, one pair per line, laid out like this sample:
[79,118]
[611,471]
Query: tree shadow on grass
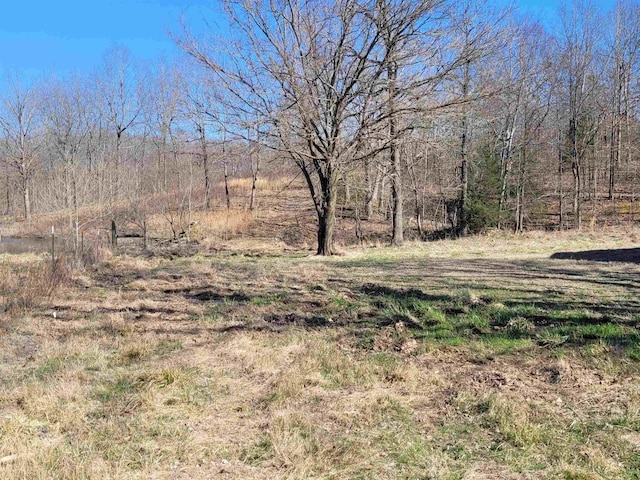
[626,255]
[449,301]
[375,290]
[544,316]
[536,318]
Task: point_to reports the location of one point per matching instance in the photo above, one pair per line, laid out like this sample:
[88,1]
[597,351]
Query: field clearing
[481,358]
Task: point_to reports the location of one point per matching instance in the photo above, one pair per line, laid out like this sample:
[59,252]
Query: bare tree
[623,49]
[516,113]
[333,81]
[401,24]
[304,70]
[536,105]
[199,107]
[578,41]
[163,100]
[20,125]
[68,123]
[118,87]
[478,35]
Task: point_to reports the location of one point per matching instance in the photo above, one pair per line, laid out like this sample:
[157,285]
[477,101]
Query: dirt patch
[491,379]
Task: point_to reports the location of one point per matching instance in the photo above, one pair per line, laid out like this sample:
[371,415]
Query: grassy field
[474,359]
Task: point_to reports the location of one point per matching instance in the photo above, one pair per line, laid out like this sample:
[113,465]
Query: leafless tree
[163,100]
[623,50]
[118,88]
[200,110]
[22,135]
[304,70]
[332,81]
[68,123]
[478,36]
[406,29]
[578,43]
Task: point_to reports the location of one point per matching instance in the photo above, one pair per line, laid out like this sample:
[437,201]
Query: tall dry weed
[25,285]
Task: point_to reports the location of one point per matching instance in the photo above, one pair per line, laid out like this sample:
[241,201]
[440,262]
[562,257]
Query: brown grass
[26,281]
[210,225]
[267,365]
[263,185]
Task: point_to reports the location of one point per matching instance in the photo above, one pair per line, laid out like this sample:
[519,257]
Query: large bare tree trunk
[255,167]
[327,213]
[463,217]
[577,211]
[326,224]
[26,195]
[397,237]
[398,204]
[9,206]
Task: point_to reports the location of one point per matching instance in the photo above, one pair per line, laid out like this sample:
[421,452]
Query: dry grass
[222,225]
[29,279]
[268,185]
[158,208]
[476,359]
[210,225]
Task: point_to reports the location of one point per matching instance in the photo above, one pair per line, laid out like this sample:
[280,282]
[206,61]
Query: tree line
[444,116]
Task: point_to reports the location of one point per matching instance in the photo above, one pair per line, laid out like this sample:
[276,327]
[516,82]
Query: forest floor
[482,358]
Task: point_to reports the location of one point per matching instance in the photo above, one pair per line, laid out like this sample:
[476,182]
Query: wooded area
[445,117]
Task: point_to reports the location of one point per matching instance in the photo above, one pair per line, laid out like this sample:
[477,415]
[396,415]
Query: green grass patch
[166,346]
[271,299]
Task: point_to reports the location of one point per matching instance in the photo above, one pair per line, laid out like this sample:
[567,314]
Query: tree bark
[205,165]
[226,172]
[463,220]
[255,169]
[327,217]
[577,214]
[27,199]
[8,209]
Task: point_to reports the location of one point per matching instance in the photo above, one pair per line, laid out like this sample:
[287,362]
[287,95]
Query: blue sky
[547,9]
[42,36]
[38,37]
